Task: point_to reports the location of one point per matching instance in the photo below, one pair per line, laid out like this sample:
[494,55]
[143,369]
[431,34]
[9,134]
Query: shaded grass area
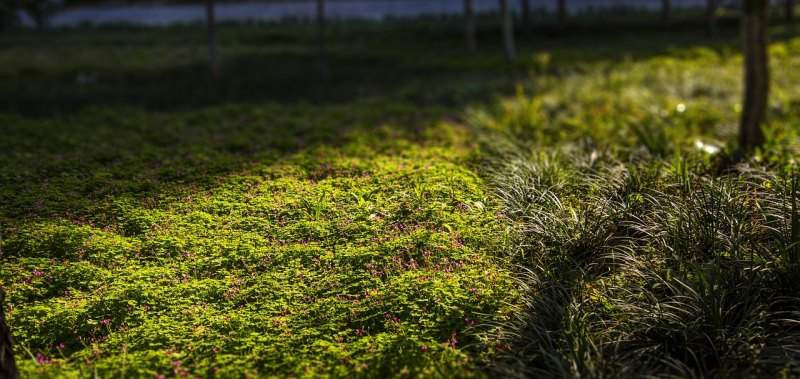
[644,252]
[270,224]
[413,61]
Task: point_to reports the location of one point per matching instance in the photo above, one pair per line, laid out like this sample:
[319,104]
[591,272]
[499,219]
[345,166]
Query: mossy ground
[269,223]
[189,240]
[175,235]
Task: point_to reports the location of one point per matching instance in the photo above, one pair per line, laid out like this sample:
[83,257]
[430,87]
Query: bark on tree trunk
[212,37]
[526,14]
[321,43]
[711,18]
[562,15]
[756,74]
[469,26]
[508,31]
[665,11]
[8,368]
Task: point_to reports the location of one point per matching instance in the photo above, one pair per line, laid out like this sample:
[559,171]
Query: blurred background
[73,12]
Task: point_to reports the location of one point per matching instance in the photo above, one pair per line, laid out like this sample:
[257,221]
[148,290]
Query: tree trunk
[790,11]
[469,26]
[562,15]
[508,31]
[212,37]
[40,21]
[756,74]
[711,18]
[665,11]
[526,14]
[38,12]
[321,43]
[8,368]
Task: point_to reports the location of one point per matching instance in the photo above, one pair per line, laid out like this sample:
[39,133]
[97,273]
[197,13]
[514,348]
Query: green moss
[247,264]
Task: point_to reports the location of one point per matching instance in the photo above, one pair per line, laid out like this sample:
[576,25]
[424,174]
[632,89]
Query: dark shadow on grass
[413,61]
[286,77]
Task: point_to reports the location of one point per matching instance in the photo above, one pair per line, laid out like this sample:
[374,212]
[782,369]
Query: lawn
[423,212]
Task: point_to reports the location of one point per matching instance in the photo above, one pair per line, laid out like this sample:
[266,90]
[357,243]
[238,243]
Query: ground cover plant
[330,261]
[424,212]
[200,238]
[646,249]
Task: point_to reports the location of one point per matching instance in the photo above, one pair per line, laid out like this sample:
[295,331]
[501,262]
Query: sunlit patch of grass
[661,104]
[248,247]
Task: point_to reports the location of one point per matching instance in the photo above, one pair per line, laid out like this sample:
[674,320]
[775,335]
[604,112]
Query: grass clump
[629,271]
[643,252]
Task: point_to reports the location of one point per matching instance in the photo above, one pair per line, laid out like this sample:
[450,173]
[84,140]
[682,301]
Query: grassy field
[422,212]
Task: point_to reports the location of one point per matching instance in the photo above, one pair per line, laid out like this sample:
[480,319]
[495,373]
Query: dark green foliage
[628,274]
[8,366]
[635,263]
